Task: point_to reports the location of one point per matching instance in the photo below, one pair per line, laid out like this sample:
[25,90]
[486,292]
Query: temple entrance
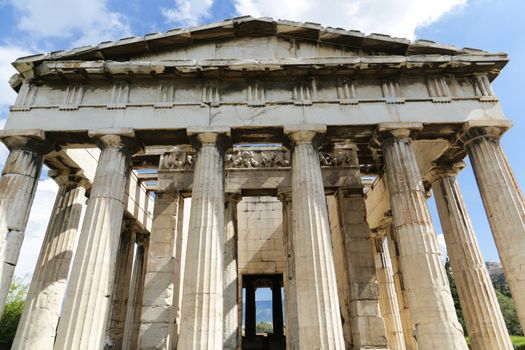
[267,335]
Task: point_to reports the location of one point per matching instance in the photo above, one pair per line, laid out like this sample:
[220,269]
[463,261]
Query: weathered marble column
[136,293]
[17,190]
[387,293]
[88,295]
[202,302]
[121,287]
[503,201]
[404,311]
[314,262]
[341,268]
[160,317]
[483,318]
[425,280]
[368,327]
[290,291]
[232,334]
[37,326]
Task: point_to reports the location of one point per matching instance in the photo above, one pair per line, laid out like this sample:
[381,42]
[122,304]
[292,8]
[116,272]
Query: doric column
[121,287]
[136,293]
[314,262]
[88,295]
[425,280]
[202,302]
[503,201]
[37,326]
[232,334]
[404,311]
[341,268]
[387,292]
[483,317]
[290,291]
[160,317]
[17,190]
[368,327]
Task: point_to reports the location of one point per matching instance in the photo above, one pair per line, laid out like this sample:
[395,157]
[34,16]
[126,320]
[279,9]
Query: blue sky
[31,26]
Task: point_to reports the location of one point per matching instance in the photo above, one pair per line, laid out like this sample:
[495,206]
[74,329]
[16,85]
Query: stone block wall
[260,241]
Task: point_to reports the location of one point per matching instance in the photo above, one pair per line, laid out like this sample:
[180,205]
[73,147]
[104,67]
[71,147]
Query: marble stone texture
[504,204]
[202,301]
[314,262]
[484,321]
[427,290]
[39,320]
[232,322]
[160,316]
[88,295]
[388,299]
[17,190]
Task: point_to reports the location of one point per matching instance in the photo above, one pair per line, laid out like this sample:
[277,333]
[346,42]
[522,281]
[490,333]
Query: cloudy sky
[32,26]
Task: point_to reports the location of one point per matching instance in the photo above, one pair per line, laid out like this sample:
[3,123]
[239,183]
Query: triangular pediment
[220,39]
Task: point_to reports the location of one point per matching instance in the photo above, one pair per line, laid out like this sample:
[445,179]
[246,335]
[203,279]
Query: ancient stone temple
[255,154]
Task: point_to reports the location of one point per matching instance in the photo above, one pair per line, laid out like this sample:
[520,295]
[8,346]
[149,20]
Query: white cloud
[442,246]
[7,55]
[36,227]
[83,22]
[397,18]
[187,12]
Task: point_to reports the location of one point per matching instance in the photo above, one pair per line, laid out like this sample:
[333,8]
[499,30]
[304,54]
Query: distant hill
[498,277]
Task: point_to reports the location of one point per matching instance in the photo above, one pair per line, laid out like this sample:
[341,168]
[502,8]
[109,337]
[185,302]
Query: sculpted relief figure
[178,160]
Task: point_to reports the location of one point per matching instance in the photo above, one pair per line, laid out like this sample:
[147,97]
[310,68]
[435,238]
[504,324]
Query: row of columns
[90,287]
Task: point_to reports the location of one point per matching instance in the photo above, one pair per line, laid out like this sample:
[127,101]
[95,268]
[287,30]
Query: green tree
[264,327]
[509,313]
[12,311]
[455,296]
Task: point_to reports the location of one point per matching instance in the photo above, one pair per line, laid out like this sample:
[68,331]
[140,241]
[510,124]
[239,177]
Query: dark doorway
[269,335]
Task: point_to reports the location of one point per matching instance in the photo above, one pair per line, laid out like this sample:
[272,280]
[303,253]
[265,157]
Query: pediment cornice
[381,49]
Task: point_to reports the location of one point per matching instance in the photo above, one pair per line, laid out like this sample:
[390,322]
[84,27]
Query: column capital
[484,129]
[68,177]
[305,134]
[233,198]
[395,131]
[219,136]
[285,197]
[33,140]
[116,138]
[441,170]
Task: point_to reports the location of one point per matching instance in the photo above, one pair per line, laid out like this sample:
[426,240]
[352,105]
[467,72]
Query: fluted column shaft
[404,312]
[88,295]
[317,301]
[39,320]
[425,280]
[121,288]
[290,289]
[232,334]
[483,318]
[17,190]
[387,295]
[136,293]
[202,302]
[504,205]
